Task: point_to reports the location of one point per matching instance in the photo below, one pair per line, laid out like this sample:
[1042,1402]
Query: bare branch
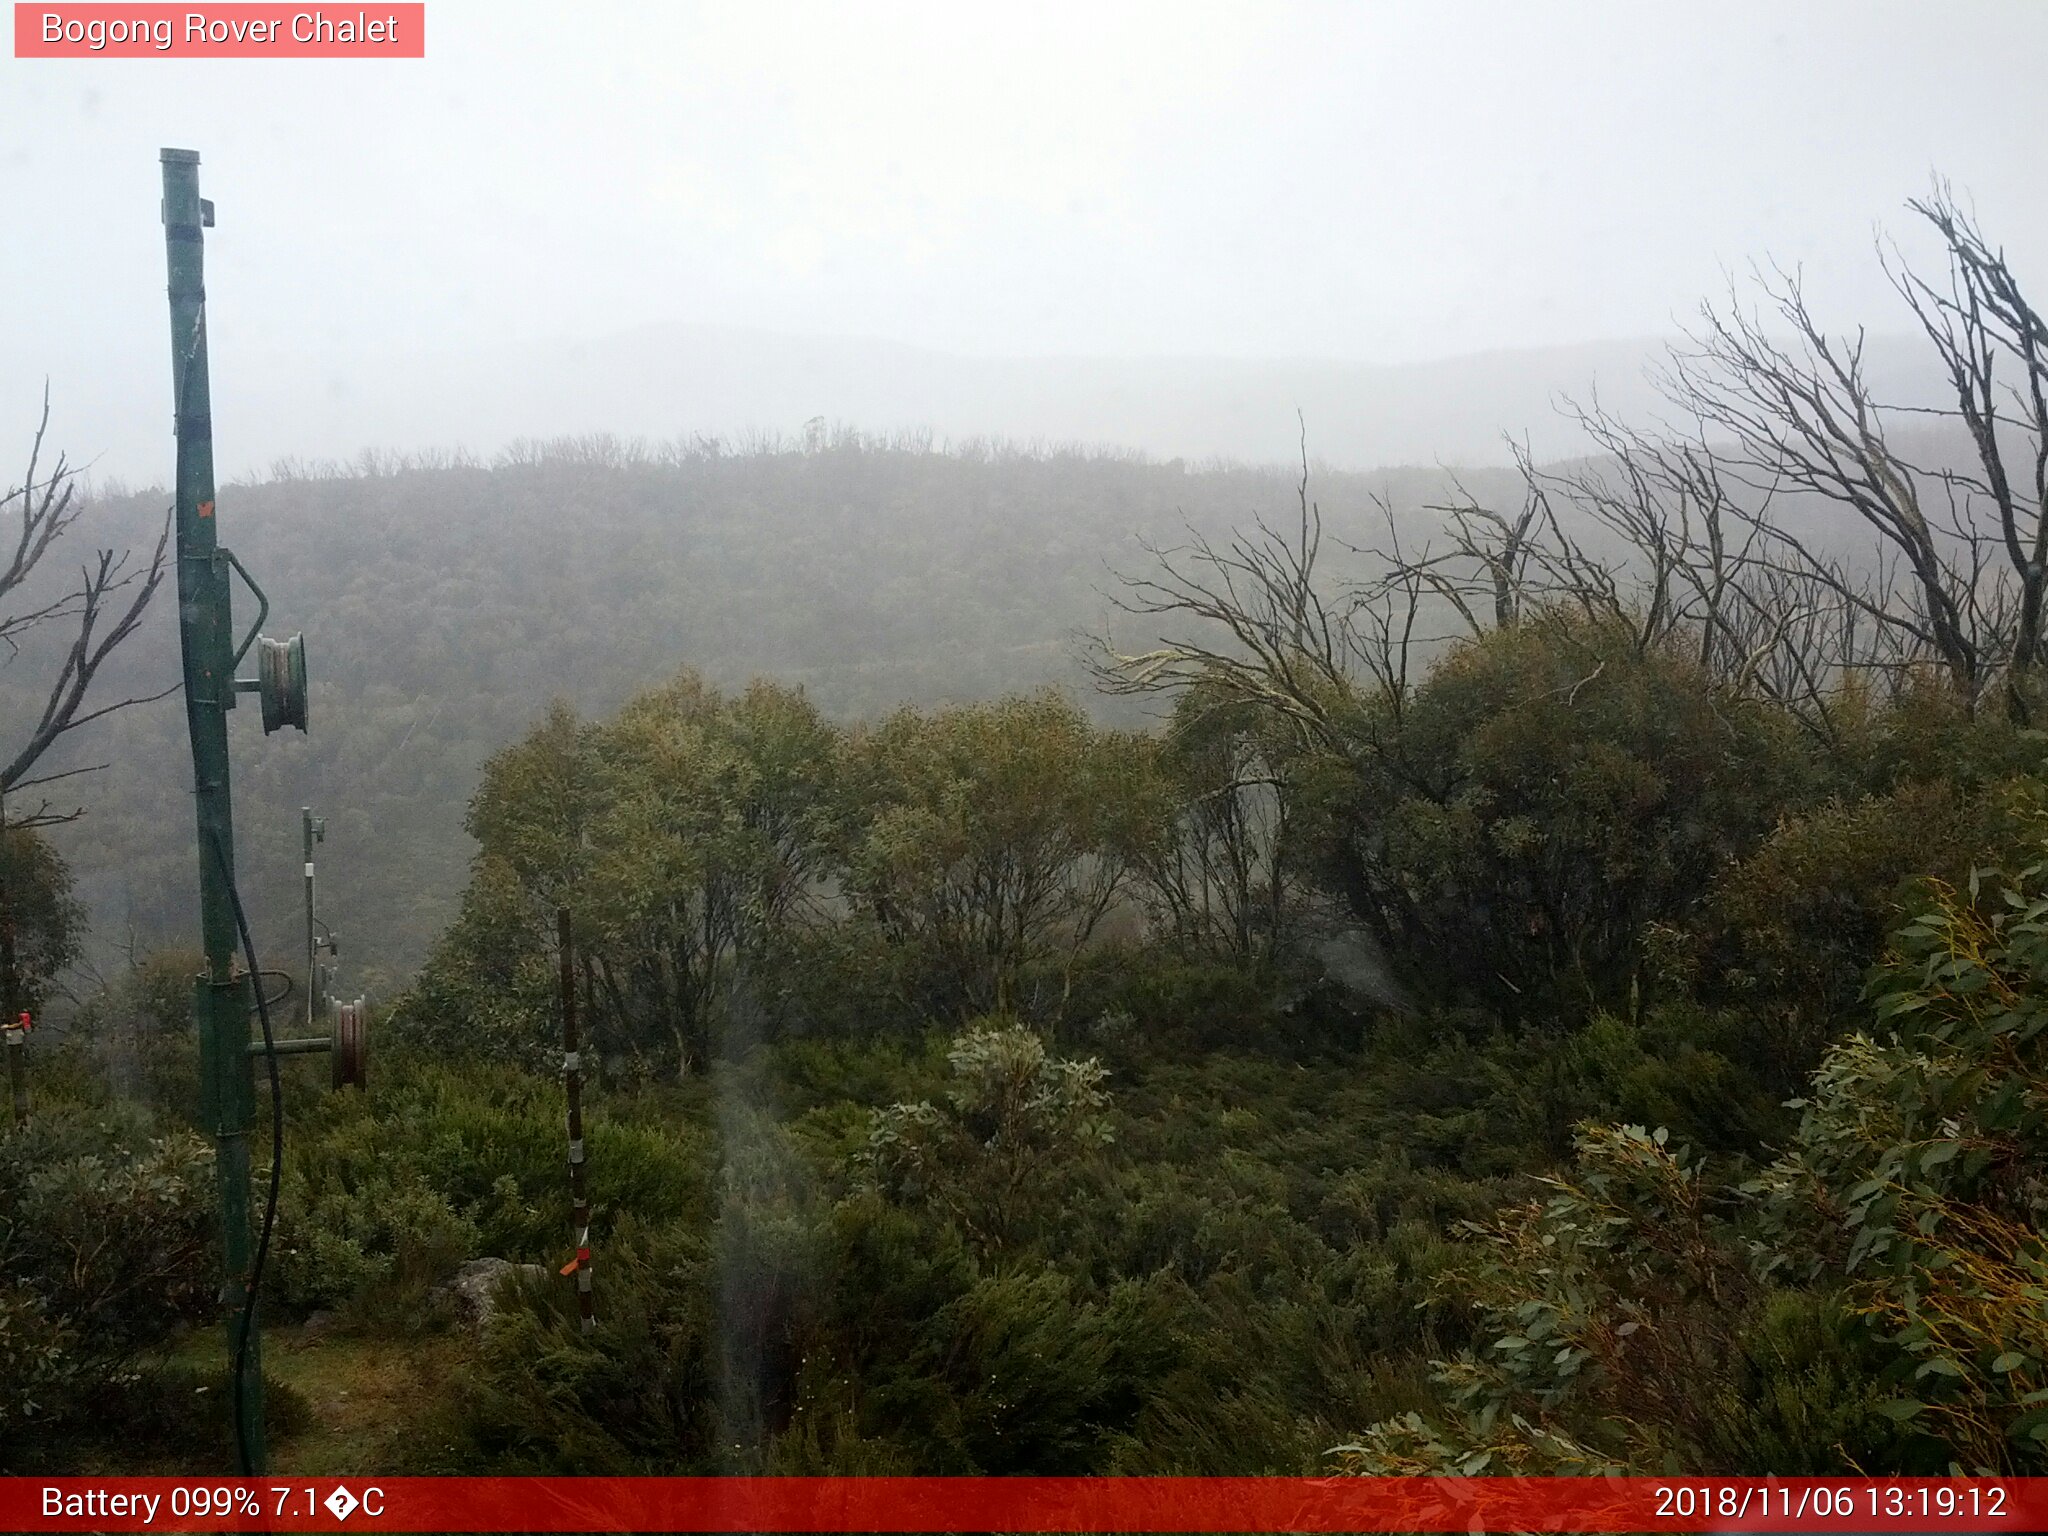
[106,608]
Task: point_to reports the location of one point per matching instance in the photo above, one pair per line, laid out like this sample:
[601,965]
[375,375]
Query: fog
[1162,226]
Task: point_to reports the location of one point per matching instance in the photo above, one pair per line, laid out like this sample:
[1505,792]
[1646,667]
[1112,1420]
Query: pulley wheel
[351,1053]
[281,682]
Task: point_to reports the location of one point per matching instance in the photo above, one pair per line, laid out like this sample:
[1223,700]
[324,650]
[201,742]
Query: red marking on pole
[206,509]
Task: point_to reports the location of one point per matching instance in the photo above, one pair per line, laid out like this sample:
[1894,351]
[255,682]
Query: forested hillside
[445,605]
[970,1087]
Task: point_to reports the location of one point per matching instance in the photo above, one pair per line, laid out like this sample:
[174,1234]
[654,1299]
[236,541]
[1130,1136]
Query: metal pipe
[222,998]
[312,933]
[17,1067]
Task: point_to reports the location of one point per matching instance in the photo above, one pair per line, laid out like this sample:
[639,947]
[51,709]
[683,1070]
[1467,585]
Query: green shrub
[37,1370]
[1807,1395]
[1545,795]
[1800,920]
[139,1033]
[106,1231]
[637,1396]
[1920,1171]
[1014,1131]
[386,1193]
[118,1235]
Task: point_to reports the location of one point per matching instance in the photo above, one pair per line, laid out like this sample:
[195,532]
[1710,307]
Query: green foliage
[1807,1395]
[1547,794]
[139,1028]
[683,836]
[49,922]
[1800,919]
[737,869]
[1016,1126]
[386,1193]
[36,1363]
[1925,732]
[1224,880]
[640,1395]
[990,841]
[105,1243]
[1249,1260]
[1631,1318]
[1920,1168]
[1620,1329]
[1708,1076]
[708,841]
[1156,1002]
[489,992]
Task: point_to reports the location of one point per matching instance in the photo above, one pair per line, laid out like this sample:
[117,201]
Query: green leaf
[1901,1409]
[2011,1360]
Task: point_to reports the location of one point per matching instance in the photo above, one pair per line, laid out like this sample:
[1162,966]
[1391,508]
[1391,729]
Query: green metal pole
[223,1000]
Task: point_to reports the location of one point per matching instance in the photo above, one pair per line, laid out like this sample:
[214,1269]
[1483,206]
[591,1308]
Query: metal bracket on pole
[262,607]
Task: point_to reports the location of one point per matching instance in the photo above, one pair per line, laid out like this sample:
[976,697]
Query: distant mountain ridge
[444,606]
[444,603]
[668,381]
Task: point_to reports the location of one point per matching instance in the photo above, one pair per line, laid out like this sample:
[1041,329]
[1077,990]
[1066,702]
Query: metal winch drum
[281,682]
[347,1044]
[350,1056]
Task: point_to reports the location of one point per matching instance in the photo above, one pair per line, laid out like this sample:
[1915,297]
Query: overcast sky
[1370,182]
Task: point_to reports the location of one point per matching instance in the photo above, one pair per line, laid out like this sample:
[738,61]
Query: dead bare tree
[1648,536]
[1223,880]
[101,612]
[1966,551]
[1488,555]
[1684,541]
[1980,318]
[1335,671]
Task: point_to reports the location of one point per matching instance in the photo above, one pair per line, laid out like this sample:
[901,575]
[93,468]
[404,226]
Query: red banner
[1022,1504]
[234,31]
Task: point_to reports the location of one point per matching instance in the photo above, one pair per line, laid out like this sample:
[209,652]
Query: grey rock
[475,1287]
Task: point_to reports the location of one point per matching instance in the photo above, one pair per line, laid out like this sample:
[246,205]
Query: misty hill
[444,607]
[656,380]
[446,601]
[664,382]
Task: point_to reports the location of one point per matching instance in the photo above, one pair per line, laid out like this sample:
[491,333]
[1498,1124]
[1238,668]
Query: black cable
[241,1349]
[256,986]
[283,992]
